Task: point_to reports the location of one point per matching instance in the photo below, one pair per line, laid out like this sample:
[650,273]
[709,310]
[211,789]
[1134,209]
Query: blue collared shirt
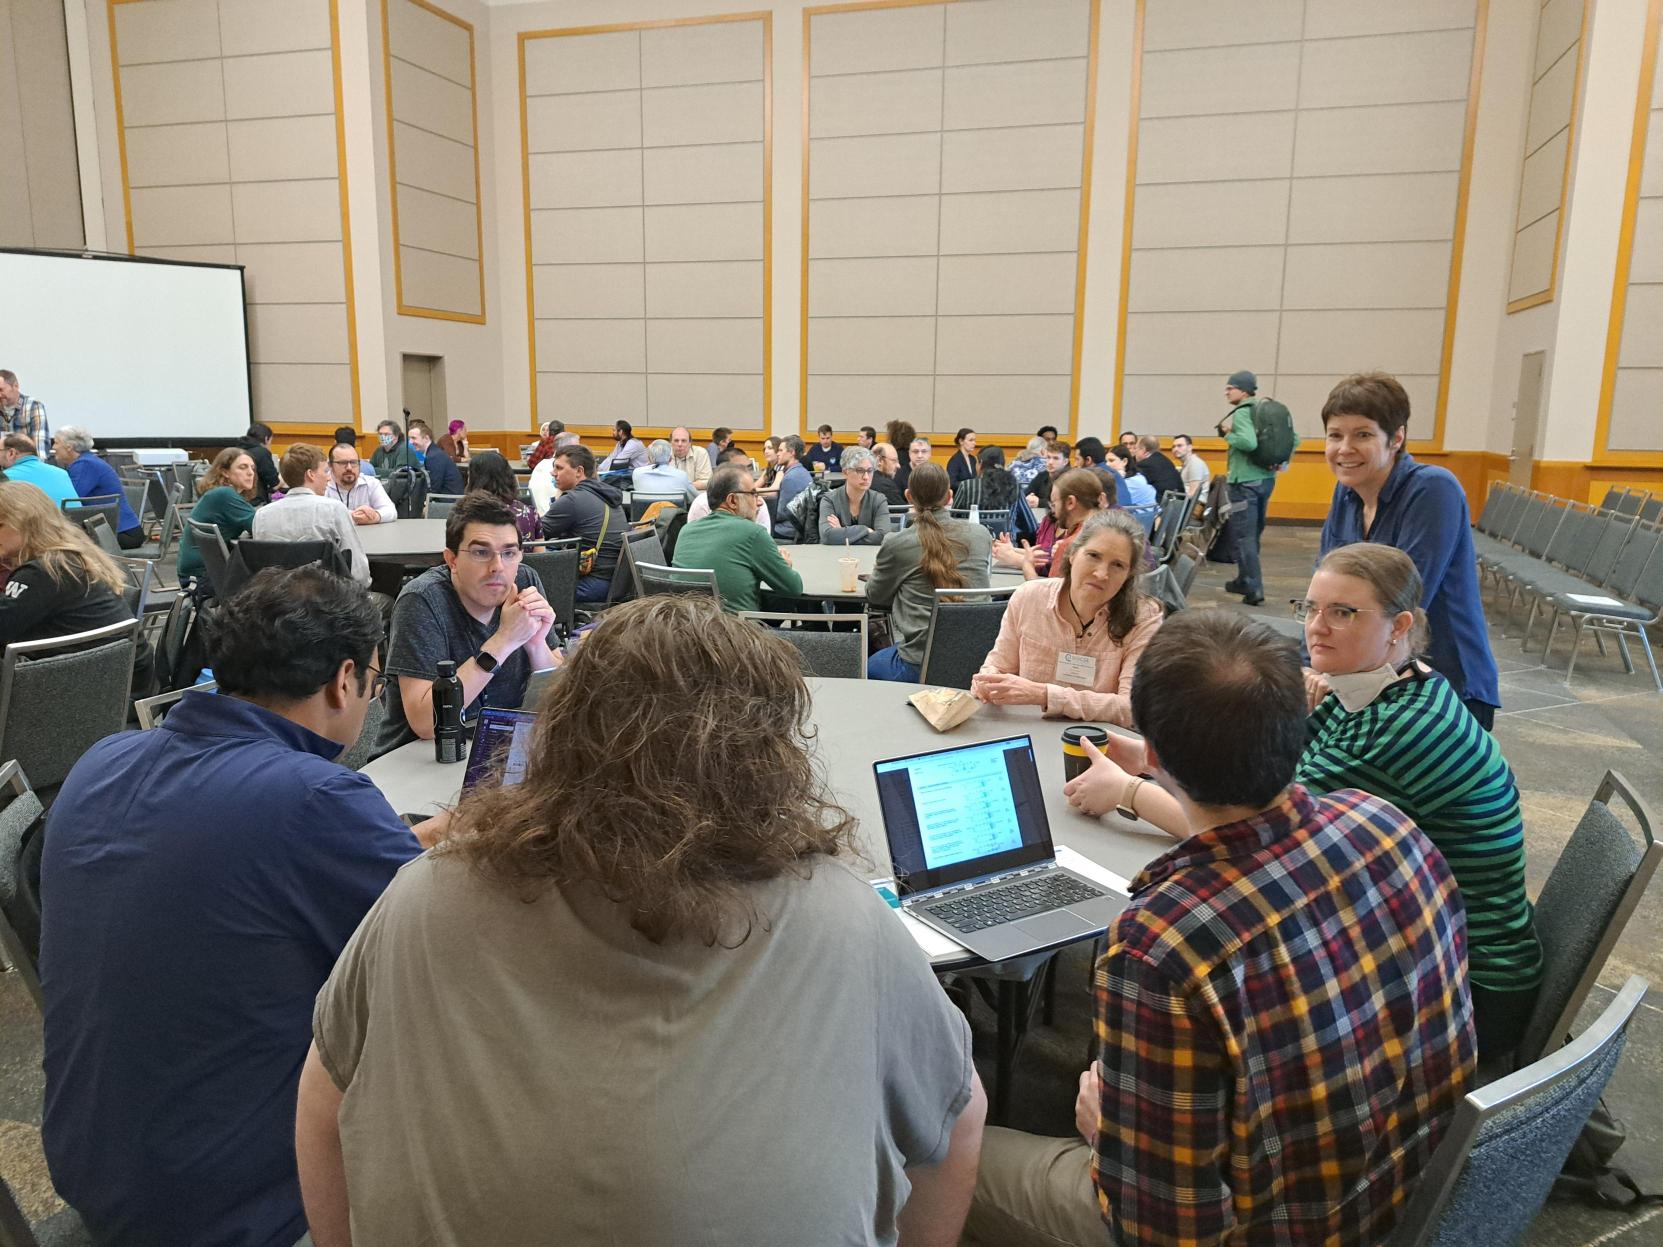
[197,884]
[1422,510]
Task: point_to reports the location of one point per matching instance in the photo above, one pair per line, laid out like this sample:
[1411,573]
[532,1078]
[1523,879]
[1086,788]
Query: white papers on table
[1593,599]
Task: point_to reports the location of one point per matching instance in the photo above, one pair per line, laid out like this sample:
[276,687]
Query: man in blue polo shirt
[197,883]
[19,460]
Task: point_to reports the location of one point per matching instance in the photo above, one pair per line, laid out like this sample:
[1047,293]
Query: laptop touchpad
[1054,927]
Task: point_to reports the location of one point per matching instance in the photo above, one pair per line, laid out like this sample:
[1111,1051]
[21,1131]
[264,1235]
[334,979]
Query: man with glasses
[361,495]
[729,542]
[305,514]
[199,880]
[482,609]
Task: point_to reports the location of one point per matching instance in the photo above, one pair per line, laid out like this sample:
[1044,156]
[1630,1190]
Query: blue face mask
[387,441]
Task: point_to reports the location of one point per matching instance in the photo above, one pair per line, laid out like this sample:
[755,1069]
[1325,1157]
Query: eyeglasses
[378,681]
[344,463]
[1338,616]
[482,555]
[866,471]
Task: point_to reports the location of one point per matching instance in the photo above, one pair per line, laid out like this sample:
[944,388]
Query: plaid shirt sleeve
[34,423]
[1163,1136]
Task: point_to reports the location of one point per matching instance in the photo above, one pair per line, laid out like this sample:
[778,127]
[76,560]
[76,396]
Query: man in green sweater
[731,543]
[1250,487]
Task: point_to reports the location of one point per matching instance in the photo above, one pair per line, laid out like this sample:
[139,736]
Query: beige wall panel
[1016,30]
[1188,214]
[1029,158]
[610,179]
[891,103]
[1009,221]
[601,290]
[589,122]
[591,397]
[1543,179]
[610,62]
[1386,69]
[182,214]
[287,211]
[1532,270]
[905,164]
[1000,405]
[1406,208]
[1210,81]
[327,389]
[856,227]
[706,400]
[1380,274]
[1195,279]
[297,333]
[284,148]
[1027,93]
[724,113]
[877,39]
[220,254]
[436,223]
[705,344]
[1550,103]
[881,287]
[674,56]
[1206,23]
[1333,19]
[725,173]
[162,95]
[716,288]
[437,104]
[428,40]
[591,345]
[1005,344]
[1559,27]
[1305,394]
[979,285]
[705,232]
[1345,341]
[17,227]
[177,155]
[435,163]
[167,30]
[1634,422]
[1196,149]
[586,236]
[283,84]
[248,27]
[849,402]
[1646,262]
[442,282]
[1642,343]
[1196,342]
[1651,170]
[881,345]
[1394,138]
[295,272]
[1166,404]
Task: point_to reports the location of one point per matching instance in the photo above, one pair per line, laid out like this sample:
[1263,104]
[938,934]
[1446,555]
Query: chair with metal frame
[655,578]
[641,545]
[83,511]
[215,554]
[1631,604]
[825,651]
[103,535]
[60,695]
[640,504]
[19,813]
[964,624]
[439,506]
[555,562]
[152,710]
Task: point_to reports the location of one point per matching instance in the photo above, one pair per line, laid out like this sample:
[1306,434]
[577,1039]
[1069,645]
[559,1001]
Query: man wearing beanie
[1250,487]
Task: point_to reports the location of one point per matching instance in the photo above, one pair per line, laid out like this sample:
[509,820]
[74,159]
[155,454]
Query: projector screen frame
[87,253]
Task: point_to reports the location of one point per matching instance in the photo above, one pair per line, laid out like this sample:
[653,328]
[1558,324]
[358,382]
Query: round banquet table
[823,578]
[403,541]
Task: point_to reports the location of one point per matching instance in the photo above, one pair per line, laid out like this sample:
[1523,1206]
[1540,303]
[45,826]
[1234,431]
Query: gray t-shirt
[541,1073]
[431,625]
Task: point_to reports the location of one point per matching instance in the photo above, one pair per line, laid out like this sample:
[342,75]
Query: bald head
[681,441]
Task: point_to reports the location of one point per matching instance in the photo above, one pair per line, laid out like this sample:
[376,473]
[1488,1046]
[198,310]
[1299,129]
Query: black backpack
[804,513]
[407,491]
[1273,426]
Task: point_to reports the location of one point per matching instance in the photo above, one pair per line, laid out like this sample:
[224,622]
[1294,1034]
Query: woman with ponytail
[935,551]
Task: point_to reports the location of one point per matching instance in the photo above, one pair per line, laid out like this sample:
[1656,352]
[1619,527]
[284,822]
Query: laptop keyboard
[994,906]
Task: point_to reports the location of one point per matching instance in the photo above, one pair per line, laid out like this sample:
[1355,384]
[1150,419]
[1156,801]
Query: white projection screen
[135,351]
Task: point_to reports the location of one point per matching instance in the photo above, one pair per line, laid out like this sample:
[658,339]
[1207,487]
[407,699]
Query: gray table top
[403,539]
[819,566]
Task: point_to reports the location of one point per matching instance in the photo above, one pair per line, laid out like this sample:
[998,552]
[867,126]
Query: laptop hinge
[964,885]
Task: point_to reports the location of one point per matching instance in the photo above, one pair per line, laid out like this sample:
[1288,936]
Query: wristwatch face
[486,660]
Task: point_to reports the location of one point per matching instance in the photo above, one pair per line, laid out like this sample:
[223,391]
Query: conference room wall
[40,194]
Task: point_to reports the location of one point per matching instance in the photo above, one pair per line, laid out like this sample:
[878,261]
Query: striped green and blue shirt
[1418,747]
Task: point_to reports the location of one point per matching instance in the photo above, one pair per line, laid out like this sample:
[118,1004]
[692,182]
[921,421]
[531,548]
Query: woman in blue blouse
[1383,495]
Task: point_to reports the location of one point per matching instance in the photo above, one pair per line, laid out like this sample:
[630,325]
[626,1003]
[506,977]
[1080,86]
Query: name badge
[1080,669]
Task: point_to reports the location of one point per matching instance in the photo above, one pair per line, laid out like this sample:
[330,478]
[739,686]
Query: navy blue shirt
[198,881]
[829,457]
[443,476]
[93,478]
[1422,510]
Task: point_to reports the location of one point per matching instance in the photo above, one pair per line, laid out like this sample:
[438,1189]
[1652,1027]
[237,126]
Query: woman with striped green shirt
[1385,722]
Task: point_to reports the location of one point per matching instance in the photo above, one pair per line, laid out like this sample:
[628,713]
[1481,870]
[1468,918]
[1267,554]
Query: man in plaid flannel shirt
[1283,1011]
[21,414]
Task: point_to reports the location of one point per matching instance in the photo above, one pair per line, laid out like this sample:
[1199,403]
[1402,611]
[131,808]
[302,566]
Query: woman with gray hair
[854,514]
[1029,464]
[93,478]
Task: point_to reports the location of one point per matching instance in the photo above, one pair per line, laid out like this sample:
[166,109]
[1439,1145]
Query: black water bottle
[447,714]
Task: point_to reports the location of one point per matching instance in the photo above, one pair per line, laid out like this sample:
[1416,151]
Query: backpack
[407,491]
[1273,426]
[804,513]
[1589,1177]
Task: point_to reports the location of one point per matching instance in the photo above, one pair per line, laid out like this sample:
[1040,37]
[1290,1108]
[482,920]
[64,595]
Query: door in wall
[424,391]
[1527,419]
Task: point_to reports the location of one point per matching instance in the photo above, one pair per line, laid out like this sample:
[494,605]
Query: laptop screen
[503,737]
[958,814]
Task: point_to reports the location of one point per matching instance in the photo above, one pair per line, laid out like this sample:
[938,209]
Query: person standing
[19,413]
[1250,487]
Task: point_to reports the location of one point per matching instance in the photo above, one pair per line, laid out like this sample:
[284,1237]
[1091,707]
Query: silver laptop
[973,856]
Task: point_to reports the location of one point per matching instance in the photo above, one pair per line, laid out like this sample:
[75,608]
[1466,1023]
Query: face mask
[387,440]
[1358,689]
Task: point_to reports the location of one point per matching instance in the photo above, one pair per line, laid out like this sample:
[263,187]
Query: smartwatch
[487,661]
[1128,799]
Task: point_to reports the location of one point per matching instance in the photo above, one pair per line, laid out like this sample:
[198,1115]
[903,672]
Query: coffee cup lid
[1084,731]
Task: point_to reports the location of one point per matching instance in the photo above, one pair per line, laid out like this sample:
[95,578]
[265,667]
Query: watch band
[1128,799]
[487,661]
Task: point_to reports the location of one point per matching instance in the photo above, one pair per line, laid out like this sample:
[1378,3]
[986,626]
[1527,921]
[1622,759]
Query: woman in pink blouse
[1070,643]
